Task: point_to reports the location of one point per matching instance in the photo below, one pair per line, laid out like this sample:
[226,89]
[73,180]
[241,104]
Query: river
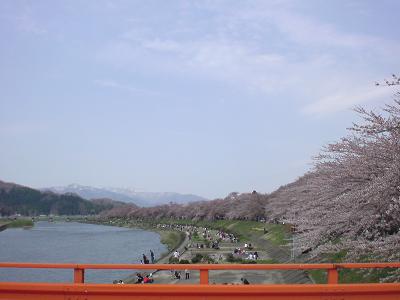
[69,242]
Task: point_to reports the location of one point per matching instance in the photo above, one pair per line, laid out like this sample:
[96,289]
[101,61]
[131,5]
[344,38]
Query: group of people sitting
[146,279]
[227,236]
[253,256]
[118,282]
[242,252]
[248,246]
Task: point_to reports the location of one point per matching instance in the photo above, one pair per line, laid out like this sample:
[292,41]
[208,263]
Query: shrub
[197,258]
[184,261]
[173,260]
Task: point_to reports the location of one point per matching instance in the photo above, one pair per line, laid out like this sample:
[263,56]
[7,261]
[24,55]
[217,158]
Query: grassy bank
[18,223]
[277,234]
[172,239]
[352,275]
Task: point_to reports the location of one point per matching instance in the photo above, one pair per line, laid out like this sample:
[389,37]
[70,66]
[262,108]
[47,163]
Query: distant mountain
[126,195]
[89,192]
[18,199]
[157,198]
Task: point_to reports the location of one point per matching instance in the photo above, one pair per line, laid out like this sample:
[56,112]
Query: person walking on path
[187,274]
[145,259]
[152,256]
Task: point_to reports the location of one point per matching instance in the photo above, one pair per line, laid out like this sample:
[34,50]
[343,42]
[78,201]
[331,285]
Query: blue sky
[204,97]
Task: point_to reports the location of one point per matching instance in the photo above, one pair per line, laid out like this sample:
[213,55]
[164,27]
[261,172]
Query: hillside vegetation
[17,199]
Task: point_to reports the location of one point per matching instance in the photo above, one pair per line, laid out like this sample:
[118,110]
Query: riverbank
[19,223]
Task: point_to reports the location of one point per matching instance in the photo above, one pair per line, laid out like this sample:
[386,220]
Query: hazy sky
[204,97]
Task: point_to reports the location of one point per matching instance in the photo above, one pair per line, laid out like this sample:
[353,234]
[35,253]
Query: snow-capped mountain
[126,195]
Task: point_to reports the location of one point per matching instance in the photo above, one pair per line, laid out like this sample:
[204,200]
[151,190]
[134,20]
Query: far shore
[18,223]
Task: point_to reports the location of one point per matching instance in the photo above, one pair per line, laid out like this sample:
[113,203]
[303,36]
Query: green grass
[277,234]
[267,261]
[172,239]
[244,230]
[350,275]
[20,223]
[318,276]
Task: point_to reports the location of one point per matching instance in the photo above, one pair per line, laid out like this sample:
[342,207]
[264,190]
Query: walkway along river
[74,243]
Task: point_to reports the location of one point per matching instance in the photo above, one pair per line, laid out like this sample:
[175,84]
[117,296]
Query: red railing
[13,290]
[79,269]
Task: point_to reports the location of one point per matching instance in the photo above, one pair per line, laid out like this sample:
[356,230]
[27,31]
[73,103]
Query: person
[152,256]
[245,281]
[177,275]
[187,274]
[139,278]
[146,279]
[256,255]
[145,259]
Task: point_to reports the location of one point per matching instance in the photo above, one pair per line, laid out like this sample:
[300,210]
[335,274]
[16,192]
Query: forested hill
[17,199]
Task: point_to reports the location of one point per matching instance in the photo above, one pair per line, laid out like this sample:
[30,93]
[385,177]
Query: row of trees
[234,206]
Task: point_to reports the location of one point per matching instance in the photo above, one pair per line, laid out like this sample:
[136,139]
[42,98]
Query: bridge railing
[79,269]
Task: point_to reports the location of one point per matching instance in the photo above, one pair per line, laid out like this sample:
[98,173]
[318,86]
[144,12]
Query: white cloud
[25,20]
[107,83]
[162,45]
[347,99]
[238,48]
[28,24]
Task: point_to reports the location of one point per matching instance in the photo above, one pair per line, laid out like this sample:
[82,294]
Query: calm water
[65,242]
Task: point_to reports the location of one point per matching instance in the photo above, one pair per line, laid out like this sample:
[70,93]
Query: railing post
[333,275]
[203,276]
[79,275]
